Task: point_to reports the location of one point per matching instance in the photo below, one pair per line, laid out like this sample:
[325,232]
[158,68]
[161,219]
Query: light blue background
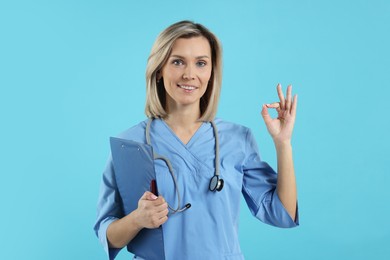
[72,74]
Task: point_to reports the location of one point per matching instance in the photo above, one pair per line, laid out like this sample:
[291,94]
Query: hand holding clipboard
[134,170]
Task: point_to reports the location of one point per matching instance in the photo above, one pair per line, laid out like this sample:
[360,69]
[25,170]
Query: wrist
[282,144]
[133,222]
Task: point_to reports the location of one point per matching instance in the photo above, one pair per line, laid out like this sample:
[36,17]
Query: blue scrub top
[209,229]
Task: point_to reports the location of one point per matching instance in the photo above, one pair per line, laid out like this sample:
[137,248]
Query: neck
[184,117]
[184,122]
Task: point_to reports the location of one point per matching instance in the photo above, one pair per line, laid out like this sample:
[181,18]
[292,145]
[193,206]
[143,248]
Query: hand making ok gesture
[281,128]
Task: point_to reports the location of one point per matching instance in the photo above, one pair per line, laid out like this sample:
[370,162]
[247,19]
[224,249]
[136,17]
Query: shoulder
[232,129]
[235,137]
[135,133]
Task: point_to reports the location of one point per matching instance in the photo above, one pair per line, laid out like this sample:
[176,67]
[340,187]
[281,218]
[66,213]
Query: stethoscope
[216,183]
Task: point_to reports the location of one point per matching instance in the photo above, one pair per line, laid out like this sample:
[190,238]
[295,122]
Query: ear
[158,75]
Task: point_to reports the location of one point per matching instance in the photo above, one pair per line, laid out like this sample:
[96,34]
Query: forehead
[194,46]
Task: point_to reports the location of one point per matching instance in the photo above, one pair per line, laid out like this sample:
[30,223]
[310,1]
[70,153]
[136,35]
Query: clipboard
[134,171]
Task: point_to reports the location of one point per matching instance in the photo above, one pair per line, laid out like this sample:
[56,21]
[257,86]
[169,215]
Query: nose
[188,72]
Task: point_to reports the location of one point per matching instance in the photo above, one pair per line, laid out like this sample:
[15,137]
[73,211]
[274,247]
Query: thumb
[149,196]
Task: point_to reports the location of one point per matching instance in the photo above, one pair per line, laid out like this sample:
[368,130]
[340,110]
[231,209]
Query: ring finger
[288,98]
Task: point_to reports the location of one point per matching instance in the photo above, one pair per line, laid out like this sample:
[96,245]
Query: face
[187,72]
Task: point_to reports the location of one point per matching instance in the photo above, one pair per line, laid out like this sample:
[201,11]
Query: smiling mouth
[187,87]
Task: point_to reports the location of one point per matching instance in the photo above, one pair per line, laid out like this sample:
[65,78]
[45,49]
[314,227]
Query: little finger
[294,105]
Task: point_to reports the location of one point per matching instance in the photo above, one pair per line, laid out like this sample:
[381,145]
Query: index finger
[159,201]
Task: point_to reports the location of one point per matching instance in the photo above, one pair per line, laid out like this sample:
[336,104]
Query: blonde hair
[155,91]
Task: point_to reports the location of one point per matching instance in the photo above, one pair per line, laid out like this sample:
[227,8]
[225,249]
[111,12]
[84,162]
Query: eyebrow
[181,57]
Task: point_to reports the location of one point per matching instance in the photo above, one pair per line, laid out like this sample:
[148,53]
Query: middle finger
[281,96]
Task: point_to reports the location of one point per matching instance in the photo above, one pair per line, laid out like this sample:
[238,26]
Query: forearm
[122,231]
[286,185]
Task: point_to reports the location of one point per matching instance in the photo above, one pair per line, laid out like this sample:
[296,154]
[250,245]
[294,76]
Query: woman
[214,161]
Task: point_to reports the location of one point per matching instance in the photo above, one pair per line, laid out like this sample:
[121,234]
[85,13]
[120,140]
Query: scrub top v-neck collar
[193,138]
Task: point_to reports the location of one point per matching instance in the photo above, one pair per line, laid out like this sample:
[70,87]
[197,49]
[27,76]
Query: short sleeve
[109,208]
[259,189]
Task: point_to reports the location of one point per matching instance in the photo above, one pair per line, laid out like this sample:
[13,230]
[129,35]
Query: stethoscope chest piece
[216,184]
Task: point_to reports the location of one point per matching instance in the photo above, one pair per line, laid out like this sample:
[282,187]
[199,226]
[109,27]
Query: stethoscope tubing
[170,168]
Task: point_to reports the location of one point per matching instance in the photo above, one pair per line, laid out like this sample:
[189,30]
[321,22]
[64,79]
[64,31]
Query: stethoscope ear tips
[216,184]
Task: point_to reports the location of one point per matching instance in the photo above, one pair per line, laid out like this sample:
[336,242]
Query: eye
[177,62]
[201,63]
